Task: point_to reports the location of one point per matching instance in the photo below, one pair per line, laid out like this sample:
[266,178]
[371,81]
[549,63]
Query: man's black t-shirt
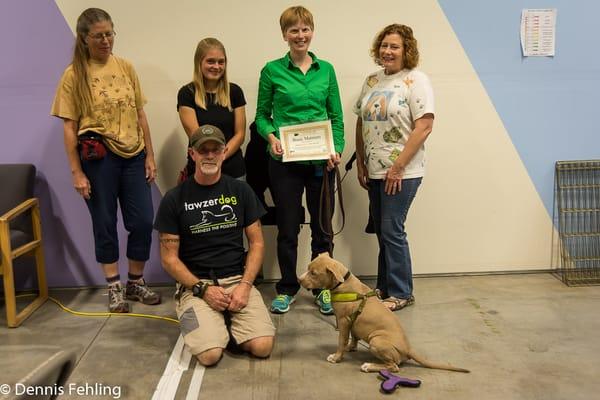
[220,117]
[210,222]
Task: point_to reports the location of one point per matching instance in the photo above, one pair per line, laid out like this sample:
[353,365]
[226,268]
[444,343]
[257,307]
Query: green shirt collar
[290,64]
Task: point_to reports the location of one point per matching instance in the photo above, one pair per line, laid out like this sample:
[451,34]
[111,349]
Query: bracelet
[247,282]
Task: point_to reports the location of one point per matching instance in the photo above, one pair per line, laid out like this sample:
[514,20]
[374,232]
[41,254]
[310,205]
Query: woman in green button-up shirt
[295,89]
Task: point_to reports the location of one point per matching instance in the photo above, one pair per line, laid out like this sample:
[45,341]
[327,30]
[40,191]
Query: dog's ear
[337,269]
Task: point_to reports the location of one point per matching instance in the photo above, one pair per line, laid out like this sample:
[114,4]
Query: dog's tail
[429,364]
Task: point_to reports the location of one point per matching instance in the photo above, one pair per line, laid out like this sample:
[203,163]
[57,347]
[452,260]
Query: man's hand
[239,297]
[216,298]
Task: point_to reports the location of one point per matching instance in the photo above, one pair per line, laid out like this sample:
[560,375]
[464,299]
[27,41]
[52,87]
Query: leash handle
[326,201]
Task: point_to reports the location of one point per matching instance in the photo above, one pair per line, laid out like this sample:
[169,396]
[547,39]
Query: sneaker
[138,291]
[116,299]
[323,300]
[281,303]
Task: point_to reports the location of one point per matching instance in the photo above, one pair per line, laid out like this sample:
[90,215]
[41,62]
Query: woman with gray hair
[108,145]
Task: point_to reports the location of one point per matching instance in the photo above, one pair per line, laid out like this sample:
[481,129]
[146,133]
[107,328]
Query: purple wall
[37,46]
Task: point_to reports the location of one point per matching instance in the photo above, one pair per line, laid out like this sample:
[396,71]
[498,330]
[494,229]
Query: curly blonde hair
[410,56]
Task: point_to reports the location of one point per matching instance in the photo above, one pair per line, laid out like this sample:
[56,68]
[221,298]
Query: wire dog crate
[577,200]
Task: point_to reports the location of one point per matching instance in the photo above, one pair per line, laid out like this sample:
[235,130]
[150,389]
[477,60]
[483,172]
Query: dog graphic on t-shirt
[210,218]
[377,105]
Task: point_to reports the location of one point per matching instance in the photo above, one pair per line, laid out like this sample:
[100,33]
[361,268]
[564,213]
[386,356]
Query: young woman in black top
[211,99]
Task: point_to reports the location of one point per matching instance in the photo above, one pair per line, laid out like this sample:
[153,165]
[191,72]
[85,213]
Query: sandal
[396,304]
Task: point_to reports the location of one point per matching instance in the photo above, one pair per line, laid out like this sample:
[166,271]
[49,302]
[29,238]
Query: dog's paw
[366,367]
[334,358]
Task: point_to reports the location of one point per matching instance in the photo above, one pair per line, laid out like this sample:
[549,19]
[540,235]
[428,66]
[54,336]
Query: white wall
[477,209]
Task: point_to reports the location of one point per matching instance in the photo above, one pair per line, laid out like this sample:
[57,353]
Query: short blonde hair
[293,15]
[410,56]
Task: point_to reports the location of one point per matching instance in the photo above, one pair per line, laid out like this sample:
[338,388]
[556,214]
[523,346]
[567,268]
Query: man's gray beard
[213,170]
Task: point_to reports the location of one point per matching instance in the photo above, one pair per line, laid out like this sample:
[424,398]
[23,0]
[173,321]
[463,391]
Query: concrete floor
[522,336]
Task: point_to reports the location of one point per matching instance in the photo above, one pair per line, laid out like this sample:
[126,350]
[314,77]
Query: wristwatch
[199,289]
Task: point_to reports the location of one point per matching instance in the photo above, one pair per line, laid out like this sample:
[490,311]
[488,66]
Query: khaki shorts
[204,328]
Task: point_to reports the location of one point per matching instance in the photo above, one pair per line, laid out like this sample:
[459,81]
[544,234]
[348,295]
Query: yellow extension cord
[102,314]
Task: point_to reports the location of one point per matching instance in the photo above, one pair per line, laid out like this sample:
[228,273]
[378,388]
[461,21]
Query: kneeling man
[201,224]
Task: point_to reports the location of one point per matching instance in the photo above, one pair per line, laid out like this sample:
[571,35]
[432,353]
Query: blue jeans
[394,268]
[124,179]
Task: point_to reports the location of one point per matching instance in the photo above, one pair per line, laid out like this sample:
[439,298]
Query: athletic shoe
[116,299]
[323,300]
[281,303]
[139,291]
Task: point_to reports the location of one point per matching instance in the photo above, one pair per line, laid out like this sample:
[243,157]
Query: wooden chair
[20,234]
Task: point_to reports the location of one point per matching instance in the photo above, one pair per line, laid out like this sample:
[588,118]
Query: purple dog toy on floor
[391,381]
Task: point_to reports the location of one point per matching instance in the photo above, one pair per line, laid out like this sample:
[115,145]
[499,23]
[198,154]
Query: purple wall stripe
[37,47]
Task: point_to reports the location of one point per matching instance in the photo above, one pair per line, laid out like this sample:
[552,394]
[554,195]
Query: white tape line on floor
[177,364]
[196,382]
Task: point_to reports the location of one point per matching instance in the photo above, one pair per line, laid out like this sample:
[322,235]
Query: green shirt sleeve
[264,104]
[335,113]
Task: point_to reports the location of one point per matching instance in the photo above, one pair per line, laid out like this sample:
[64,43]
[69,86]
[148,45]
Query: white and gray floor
[523,336]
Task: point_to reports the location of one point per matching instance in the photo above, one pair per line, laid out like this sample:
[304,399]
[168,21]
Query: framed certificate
[305,142]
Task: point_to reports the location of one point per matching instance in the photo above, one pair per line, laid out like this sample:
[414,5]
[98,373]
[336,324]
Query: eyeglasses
[98,37]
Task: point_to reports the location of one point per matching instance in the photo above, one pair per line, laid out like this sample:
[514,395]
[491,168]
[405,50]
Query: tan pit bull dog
[359,311]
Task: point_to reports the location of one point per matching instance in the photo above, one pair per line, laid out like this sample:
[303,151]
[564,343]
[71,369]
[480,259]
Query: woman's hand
[393,179]
[150,166]
[362,175]
[82,185]
[333,161]
[275,146]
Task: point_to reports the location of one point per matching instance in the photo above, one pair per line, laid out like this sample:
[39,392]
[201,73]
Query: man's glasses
[98,37]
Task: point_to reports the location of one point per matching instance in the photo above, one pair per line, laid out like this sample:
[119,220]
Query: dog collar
[345,279]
